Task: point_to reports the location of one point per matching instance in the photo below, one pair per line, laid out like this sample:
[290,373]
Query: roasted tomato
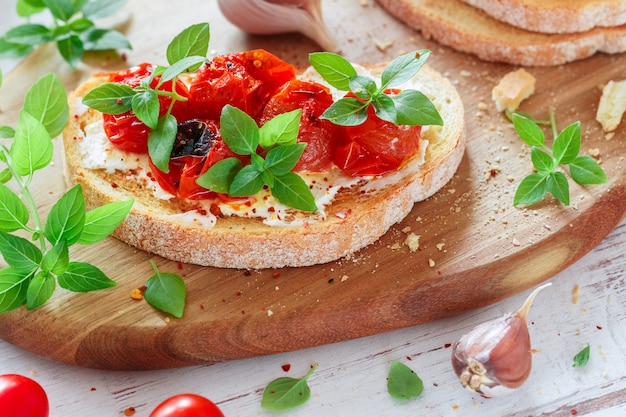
[244,80]
[375,147]
[125,130]
[21,396]
[187,405]
[320,135]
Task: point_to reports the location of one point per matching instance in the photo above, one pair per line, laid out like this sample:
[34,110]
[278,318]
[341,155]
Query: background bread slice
[468,29]
[555,16]
[355,219]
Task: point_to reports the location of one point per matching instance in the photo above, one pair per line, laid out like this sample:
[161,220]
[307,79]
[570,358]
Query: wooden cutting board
[475,247]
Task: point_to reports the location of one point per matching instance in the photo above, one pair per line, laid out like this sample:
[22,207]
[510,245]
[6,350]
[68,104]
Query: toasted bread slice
[357,217]
[555,16]
[468,29]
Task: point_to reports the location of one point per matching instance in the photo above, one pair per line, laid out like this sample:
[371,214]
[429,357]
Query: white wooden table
[585,304]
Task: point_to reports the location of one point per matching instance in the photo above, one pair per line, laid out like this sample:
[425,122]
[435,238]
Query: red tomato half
[125,130]
[21,396]
[320,135]
[187,405]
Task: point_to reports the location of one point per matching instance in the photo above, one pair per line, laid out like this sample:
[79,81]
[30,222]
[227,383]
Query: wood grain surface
[475,247]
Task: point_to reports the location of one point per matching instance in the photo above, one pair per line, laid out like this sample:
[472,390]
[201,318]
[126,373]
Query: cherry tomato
[244,80]
[319,134]
[125,130]
[187,405]
[21,396]
[375,147]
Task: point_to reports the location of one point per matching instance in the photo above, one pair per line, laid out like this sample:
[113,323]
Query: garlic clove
[495,357]
[270,17]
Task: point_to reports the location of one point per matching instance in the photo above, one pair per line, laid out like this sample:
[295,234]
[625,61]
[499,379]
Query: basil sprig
[279,138]
[409,107]
[73,29]
[36,265]
[186,52]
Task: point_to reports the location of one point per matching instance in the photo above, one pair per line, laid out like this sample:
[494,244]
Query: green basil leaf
[13,289]
[220,175]
[281,160]
[239,131]
[286,393]
[558,186]
[61,32]
[582,357]
[280,130]
[81,24]
[5,175]
[97,9]
[291,190]
[248,181]
[57,259]
[415,109]
[185,64]
[346,112]
[403,68]
[363,87]
[46,100]
[29,33]
[531,190]
[385,109]
[32,147]
[96,39]
[402,382]
[528,131]
[161,141]
[40,289]
[13,212]
[60,9]
[146,107]
[84,277]
[10,50]
[110,98]
[66,218]
[166,292]
[543,162]
[585,170]
[7,132]
[19,253]
[194,40]
[102,221]
[567,144]
[71,49]
[333,68]
[24,8]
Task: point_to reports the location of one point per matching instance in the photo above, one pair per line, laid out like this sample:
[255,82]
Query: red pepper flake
[202,212]
[276,275]
[201,306]
[447,345]
[493,172]
[92,389]
[180,266]
[137,293]
[286,367]
[119,101]
[574,412]
[130,411]
[114,185]
[408,358]
[599,327]
[238,293]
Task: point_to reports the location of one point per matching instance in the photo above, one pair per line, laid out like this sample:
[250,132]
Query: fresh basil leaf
[9,50]
[333,68]
[291,190]
[268,178]
[13,212]
[19,253]
[239,131]
[567,144]
[415,109]
[402,382]
[96,39]
[13,288]
[528,131]
[24,8]
[5,175]
[582,357]
[585,170]
[286,393]
[66,218]
[346,112]
[161,141]
[57,259]
[558,186]
[71,49]
[32,147]
[46,100]
[403,68]
[102,221]
[84,277]
[248,181]
[110,98]
[220,175]
[81,25]
[146,107]
[29,33]
[281,130]
[543,163]
[97,9]
[166,292]
[61,32]
[60,9]
[281,160]
[363,88]
[531,190]
[385,109]
[185,64]
[7,132]
[194,40]
[40,289]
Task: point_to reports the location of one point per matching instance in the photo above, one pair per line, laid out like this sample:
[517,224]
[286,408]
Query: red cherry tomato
[125,130]
[187,405]
[244,80]
[319,134]
[21,396]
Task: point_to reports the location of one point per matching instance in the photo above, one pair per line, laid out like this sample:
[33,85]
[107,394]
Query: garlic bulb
[270,17]
[495,357]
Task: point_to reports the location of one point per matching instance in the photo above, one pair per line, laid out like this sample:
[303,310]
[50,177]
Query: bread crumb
[431,263]
[412,241]
[270,313]
[344,278]
[512,89]
[612,105]
[440,246]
